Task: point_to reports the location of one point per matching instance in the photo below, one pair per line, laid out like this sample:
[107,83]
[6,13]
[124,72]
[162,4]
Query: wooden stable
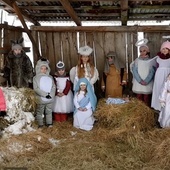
[61,43]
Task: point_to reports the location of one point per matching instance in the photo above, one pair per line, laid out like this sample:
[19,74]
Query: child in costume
[163,62]
[63,101]
[143,70]
[114,76]
[18,68]
[164,99]
[85,104]
[44,87]
[84,68]
[2,104]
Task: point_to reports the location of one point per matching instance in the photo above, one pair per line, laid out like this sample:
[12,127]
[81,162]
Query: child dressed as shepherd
[85,67]
[18,69]
[63,102]
[163,61]
[164,99]
[114,76]
[44,87]
[85,104]
[143,70]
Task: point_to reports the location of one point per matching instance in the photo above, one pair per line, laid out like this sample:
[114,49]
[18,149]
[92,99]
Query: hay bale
[21,105]
[131,116]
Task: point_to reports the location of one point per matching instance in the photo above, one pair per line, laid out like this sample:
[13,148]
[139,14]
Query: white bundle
[115,101]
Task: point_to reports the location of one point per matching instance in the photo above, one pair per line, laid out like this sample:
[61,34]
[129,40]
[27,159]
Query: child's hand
[84,109]
[143,83]
[103,88]
[162,104]
[80,108]
[60,94]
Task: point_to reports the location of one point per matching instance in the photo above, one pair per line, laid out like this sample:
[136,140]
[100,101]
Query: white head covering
[60,65]
[85,50]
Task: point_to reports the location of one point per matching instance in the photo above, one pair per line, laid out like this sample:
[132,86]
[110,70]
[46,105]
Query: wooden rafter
[124,11]
[70,11]
[9,5]
[18,12]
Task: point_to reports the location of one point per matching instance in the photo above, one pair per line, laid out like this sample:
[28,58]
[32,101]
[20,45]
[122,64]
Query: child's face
[17,51]
[143,53]
[110,58]
[165,51]
[61,71]
[82,87]
[85,59]
[43,69]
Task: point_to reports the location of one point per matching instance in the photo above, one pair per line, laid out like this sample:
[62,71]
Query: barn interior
[62,42]
[124,136]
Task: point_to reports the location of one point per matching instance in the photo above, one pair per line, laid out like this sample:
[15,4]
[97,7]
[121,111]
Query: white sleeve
[95,76]
[88,106]
[72,74]
[76,104]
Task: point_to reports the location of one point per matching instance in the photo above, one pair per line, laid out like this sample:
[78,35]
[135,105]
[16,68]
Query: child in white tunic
[85,103]
[63,101]
[164,98]
[143,70]
[163,60]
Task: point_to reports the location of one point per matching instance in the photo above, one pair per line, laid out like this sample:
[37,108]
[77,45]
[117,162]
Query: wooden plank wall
[63,46]
[8,33]
[56,46]
[155,39]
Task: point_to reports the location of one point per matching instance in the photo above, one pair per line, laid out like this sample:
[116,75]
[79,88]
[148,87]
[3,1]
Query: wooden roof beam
[67,6]
[8,3]
[124,11]
[102,28]
[18,12]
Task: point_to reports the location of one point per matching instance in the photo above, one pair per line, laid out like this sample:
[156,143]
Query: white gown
[164,115]
[63,104]
[82,119]
[160,76]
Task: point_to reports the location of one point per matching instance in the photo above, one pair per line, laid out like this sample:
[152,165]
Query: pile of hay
[21,105]
[124,137]
[131,116]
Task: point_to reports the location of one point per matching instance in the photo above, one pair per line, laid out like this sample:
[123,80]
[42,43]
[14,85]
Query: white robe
[164,115]
[63,104]
[82,119]
[160,76]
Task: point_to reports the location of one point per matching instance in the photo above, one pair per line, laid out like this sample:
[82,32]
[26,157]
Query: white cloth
[164,115]
[144,67]
[63,104]
[160,76]
[82,119]
[46,87]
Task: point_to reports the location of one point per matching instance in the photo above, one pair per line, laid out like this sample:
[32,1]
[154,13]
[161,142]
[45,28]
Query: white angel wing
[72,74]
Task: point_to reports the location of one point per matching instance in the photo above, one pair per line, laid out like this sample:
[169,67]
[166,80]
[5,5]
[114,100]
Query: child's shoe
[49,125]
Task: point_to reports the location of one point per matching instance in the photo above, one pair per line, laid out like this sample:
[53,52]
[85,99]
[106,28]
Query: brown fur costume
[18,69]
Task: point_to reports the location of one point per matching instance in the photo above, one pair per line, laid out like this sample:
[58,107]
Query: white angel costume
[160,76]
[164,115]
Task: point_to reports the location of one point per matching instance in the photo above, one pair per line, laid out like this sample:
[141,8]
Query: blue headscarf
[90,92]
